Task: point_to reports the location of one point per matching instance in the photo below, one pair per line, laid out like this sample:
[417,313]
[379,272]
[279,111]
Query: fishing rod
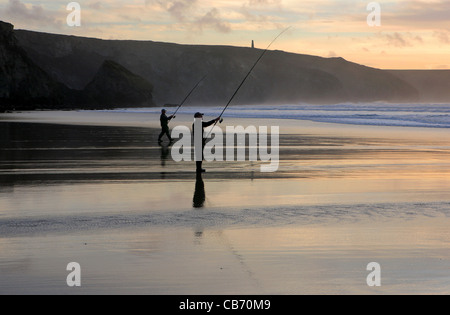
[192,91]
[246,77]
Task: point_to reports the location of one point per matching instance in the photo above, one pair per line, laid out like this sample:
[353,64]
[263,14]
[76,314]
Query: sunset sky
[414,34]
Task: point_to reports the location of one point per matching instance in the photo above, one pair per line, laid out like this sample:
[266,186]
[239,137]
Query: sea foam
[373,114]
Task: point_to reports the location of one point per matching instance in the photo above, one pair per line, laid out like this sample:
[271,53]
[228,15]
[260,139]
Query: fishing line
[245,79]
[192,91]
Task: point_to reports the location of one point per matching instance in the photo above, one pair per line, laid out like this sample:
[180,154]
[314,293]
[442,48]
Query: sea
[428,115]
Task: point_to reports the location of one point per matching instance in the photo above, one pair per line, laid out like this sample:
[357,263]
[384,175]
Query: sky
[413,34]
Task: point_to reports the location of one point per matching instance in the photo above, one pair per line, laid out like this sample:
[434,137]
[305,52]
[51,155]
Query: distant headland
[49,71]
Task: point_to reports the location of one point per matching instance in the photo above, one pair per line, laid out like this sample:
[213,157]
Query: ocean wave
[373,114]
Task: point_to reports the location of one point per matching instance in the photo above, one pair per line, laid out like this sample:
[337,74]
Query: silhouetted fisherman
[165,126]
[204,125]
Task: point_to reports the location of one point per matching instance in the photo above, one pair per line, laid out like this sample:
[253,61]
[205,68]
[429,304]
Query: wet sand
[95,188]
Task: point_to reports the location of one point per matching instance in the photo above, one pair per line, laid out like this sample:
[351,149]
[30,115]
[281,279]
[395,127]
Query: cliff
[25,85]
[114,86]
[432,85]
[280,77]
[76,72]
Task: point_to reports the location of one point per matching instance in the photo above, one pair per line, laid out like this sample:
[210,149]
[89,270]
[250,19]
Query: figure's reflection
[164,157]
[199,195]
[164,154]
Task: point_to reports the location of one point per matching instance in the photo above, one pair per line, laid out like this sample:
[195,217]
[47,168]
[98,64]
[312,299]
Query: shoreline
[290,126]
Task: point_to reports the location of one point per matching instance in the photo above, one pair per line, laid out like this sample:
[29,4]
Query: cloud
[264,2]
[179,9]
[397,40]
[320,27]
[97,6]
[212,19]
[18,12]
[192,15]
[442,36]
[252,17]
[419,14]
[259,14]
[402,40]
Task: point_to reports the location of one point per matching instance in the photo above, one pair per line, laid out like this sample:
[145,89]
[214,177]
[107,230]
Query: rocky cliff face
[26,86]
[23,85]
[115,86]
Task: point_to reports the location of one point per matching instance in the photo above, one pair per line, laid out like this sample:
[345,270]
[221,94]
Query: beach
[94,187]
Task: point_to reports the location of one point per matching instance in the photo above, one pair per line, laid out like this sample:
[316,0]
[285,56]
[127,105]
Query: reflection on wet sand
[113,199]
[199,194]
[165,150]
[164,158]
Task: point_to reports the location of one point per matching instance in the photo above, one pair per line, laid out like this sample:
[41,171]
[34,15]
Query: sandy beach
[95,188]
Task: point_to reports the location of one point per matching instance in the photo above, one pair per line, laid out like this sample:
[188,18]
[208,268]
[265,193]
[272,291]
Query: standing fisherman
[165,120]
[165,126]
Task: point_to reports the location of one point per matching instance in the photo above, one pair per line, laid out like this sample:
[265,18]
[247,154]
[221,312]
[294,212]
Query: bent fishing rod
[192,91]
[245,79]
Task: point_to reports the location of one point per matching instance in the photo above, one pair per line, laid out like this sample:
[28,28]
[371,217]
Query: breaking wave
[373,114]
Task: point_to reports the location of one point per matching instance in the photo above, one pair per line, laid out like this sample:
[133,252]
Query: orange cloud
[412,32]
